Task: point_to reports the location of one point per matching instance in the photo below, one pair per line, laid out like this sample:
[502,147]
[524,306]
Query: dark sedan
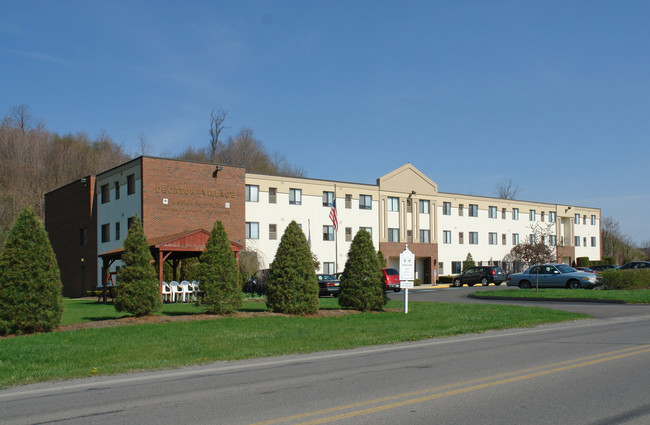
[328,285]
[482,274]
[635,265]
[552,276]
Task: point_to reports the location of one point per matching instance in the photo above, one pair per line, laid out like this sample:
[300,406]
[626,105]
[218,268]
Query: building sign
[190,191]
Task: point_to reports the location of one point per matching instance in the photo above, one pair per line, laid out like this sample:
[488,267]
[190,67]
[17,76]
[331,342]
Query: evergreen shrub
[30,281]
[291,286]
[362,287]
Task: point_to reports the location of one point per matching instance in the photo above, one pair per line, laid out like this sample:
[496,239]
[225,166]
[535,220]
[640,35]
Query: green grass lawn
[66,355]
[639,296]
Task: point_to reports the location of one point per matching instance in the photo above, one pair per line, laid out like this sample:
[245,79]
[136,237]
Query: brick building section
[68,210]
[428,251]
[196,197]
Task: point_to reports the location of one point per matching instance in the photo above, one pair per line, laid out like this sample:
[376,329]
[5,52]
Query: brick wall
[420,250]
[179,196]
[68,210]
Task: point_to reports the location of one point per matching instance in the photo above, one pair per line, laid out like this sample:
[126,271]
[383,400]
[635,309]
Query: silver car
[552,276]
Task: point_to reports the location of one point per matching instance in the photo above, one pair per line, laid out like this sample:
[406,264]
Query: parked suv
[391,279]
[481,274]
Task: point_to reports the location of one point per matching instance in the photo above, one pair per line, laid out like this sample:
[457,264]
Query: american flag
[334,216]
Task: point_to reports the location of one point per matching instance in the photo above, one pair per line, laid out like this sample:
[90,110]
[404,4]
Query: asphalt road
[584,372]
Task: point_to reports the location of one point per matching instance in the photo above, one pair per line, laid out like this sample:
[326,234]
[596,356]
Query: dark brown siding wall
[68,210]
[194,198]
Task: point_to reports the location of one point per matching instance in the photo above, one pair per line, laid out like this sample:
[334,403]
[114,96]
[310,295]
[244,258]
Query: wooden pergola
[170,248]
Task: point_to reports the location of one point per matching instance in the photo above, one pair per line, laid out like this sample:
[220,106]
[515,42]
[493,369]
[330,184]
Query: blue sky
[554,95]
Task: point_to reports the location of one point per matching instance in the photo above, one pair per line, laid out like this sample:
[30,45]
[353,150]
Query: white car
[552,276]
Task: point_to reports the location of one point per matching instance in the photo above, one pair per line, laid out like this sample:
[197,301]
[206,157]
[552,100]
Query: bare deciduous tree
[507,190]
[536,251]
[216,127]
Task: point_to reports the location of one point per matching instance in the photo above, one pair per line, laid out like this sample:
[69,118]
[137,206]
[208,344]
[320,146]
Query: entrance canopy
[172,248]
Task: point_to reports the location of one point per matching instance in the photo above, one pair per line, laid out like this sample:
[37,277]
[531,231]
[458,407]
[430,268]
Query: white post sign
[406,274]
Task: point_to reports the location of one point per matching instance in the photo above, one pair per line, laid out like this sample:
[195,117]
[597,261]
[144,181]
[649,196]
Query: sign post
[406,274]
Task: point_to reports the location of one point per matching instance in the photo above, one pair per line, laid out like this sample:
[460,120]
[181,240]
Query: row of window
[493,213]
[253,231]
[105,189]
[106,232]
[493,239]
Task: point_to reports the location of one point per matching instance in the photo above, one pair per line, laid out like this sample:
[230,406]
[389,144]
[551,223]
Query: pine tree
[292,286]
[362,287]
[137,286]
[30,281]
[469,262]
[218,274]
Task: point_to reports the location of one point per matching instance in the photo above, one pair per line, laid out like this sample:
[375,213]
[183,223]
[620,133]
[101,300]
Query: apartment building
[179,201]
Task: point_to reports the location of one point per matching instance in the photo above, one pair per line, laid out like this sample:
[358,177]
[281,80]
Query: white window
[424,207]
[504,239]
[515,238]
[473,238]
[593,220]
[492,212]
[425,236]
[541,216]
[473,210]
[551,216]
[393,203]
[328,268]
[393,235]
[461,207]
[593,241]
[531,239]
[577,220]
[365,202]
[515,213]
[348,234]
[461,238]
[328,199]
[552,240]
[252,193]
[577,240]
[273,232]
[252,230]
[446,236]
[492,238]
[295,196]
[328,233]
[273,195]
[446,208]
[532,215]
[367,229]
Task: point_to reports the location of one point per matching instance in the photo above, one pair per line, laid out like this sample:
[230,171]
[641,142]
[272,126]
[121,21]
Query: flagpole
[336,238]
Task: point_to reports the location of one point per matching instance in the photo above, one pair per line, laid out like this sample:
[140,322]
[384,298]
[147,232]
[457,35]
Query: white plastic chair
[177,291]
[166,291]
[196,288]
[188,290]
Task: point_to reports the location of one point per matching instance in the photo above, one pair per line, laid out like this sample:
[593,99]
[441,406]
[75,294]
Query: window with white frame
[515,238]
[503,213]
[446,236]
[577,240]
[328,268]
[551,216]
[273,195]
[577,220]
[252,230]
[424,206]
[252,193]
[473,210]
[492,238]
[552,240]
[593,220]
[541,216]
[393,235]
[531,215]
[348,234]
[531,239]
[593,241]
[461,207]
[273,232]
[515,213]
[504,239]
[295,196]
[328,198]
[584,219]
[473,238]
[456,267]
[446,208]
[365,202]
[425,236]
[492,212]
[348,201]
[328,233]
[392,203]
[461,238]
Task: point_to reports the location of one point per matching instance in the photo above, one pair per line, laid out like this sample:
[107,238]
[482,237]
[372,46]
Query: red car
[391,279]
